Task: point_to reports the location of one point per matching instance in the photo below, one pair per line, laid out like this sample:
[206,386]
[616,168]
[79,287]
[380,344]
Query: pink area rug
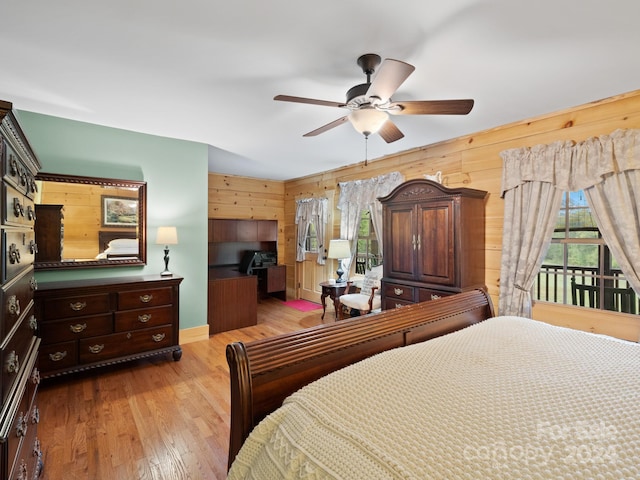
[302,305]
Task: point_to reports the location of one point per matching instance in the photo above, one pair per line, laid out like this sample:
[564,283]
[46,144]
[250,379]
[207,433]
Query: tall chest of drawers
[86,324]
[20,452]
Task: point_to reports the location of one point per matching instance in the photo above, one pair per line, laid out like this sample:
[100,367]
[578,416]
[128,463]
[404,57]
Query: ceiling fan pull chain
[366,149]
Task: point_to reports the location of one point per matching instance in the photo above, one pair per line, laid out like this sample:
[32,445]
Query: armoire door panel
[401,254]
[436,260]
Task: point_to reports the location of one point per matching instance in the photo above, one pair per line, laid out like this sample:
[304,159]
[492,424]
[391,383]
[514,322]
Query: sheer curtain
[311,211]
[533,180]
[359,195]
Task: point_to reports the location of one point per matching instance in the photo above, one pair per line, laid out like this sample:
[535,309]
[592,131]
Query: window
[311,240]
[367,252]
[579,268]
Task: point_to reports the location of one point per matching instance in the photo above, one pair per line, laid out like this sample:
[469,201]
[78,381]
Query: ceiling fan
[370,103]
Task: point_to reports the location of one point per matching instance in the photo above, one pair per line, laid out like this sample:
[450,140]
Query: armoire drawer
[425,294]
[76,328]
[76,306]
[144,298]
[390,303]
[126,343]
[398,292]
[143,318]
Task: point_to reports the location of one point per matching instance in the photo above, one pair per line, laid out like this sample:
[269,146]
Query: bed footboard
[263,373]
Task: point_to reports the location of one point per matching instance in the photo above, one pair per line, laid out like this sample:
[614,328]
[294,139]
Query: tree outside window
[579,268]
[367,253]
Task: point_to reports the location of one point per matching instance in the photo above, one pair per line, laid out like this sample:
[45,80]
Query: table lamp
[339,249]
[167,236]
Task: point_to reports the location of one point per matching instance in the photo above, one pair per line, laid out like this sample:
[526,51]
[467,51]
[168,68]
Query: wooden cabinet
[229,230]
[50,233]
[232,300]
[90,323]
[433,242]
[20,452]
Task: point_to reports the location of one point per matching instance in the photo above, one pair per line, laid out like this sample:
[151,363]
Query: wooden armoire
[433,242]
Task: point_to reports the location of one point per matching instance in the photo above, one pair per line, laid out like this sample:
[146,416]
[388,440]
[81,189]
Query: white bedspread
[507,398]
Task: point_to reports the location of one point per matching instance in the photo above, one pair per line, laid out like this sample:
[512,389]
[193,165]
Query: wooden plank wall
[470,161]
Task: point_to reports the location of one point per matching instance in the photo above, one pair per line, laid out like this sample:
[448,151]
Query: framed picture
[119,211]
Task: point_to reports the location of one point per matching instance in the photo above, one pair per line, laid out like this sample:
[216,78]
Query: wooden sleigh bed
[441,389]
[263,373]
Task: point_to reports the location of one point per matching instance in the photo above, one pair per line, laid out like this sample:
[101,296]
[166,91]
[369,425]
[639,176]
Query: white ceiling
[207,71]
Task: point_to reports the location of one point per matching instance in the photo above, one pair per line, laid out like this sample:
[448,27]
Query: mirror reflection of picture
[119,211]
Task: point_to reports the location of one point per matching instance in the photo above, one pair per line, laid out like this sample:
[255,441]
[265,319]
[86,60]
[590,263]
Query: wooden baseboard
[195,334]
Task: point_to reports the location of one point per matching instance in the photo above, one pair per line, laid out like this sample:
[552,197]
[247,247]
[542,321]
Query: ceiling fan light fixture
[367,120]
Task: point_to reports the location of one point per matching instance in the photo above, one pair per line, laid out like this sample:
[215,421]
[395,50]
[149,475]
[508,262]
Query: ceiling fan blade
[390,75]
[431,107]
[326,127]
[389,132]
[312,101]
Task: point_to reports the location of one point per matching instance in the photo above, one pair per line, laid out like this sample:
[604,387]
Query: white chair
[368,298]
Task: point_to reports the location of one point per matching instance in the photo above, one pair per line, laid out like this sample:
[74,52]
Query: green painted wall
[176,173]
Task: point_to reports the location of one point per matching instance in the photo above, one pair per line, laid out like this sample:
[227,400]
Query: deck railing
[550,285]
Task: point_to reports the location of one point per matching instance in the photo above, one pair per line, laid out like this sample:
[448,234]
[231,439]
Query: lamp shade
[368,120]
[167,236]
[339,249]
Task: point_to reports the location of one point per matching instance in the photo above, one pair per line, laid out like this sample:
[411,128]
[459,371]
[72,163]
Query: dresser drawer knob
[398,291]
[12,364]
[56,357]
[158,337]
[33,283]
[35,415]
[144,318]
[78,328]
[146,298]
[14,254]
[18,210]
[14,305]
[78,306]
[33,323]
[398,305]
[435,297]
[22,473]
[33,247]
[21,425]
[35,376]
[96,348]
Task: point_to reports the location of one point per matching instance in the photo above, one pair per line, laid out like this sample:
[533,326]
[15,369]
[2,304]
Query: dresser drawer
[15,352]
[398,292]
[143,318]
[19,429]
[15,299]
[17,209]
[425,294]
[76,328]
[14,172]
[58,356]
[19,251]
[144,298]
[76,306]
[120,344]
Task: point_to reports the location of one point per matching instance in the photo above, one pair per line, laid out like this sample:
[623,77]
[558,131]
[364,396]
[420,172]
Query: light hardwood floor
[153,418]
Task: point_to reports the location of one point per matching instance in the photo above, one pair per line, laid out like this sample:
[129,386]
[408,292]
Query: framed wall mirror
[87,222]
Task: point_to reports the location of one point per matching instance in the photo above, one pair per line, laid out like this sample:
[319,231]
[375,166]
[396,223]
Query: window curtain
[533,180]
[359,195]
[311,211]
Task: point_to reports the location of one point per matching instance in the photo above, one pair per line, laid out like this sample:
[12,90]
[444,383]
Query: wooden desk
[333,291]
